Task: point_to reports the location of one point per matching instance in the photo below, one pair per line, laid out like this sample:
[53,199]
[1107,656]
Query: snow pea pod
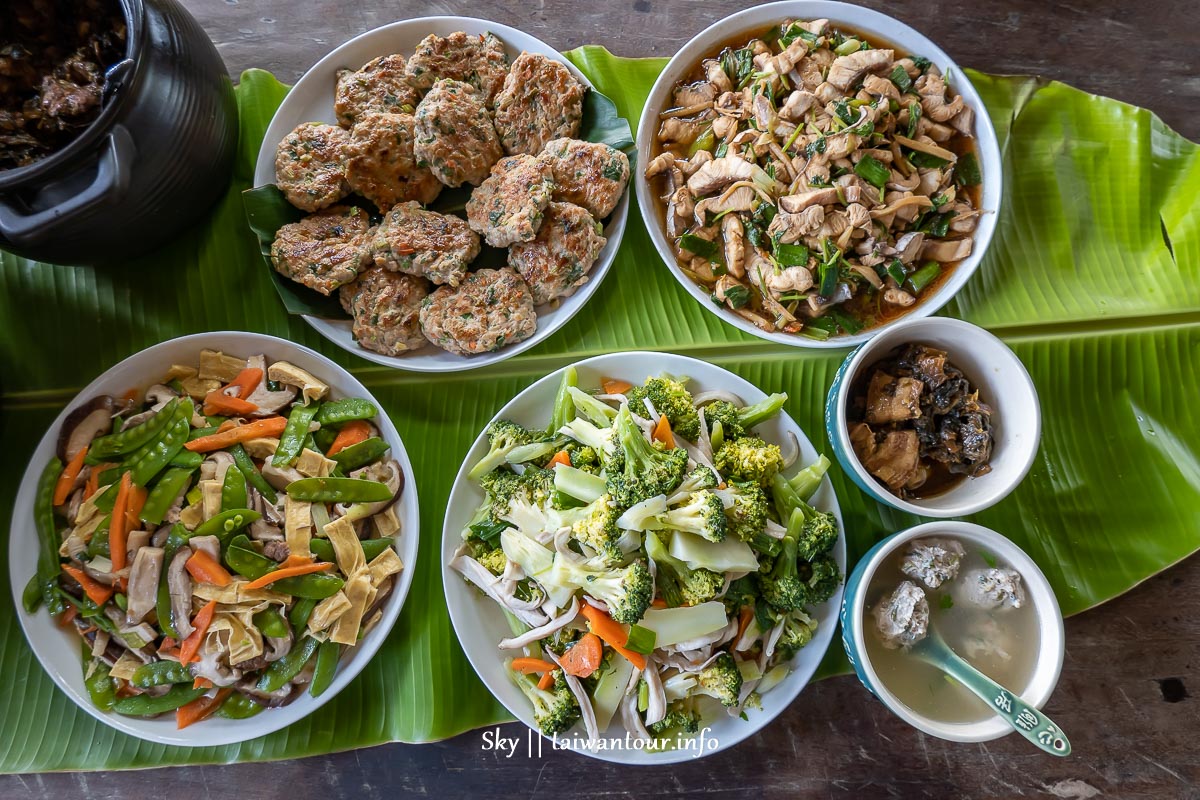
[166,618]
[323,550]
[361,454]
[339,412]
[282,671]
[31,595]
[271,623]
[301,610]
[187,459]
[246,466]
[98,546]
[144,705]
[238,706]
[227,523]
[99,683]
[48,538]
[157,673]
[291,441]
[200,433]
[152,457]
[242,559]
[132,439]
[233,490]
[163,494]
[338,490]
[327,661]
[323,439]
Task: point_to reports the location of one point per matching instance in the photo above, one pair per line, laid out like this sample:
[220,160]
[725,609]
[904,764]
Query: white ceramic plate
[311,100]
[480,624]
[58,650]
[754,21]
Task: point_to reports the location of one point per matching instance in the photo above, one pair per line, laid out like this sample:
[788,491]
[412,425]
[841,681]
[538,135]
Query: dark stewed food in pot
[53,59]
[917,424]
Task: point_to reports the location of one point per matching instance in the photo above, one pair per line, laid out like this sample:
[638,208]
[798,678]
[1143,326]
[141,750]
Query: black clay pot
[158,156]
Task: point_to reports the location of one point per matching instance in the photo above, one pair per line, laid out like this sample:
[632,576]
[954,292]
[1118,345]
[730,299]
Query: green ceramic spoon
[1029,722]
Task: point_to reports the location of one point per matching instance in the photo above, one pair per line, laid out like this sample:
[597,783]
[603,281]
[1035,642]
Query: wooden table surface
[1129,695]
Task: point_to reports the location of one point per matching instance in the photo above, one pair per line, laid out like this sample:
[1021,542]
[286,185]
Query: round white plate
[311,100]
[754,21]
[58,649]
[480,624]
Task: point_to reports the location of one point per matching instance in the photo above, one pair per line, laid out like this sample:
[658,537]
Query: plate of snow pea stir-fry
[220,542]
[666,552]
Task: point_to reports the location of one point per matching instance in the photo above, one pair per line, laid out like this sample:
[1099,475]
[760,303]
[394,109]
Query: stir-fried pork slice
[797,105]
[932,88]
[891,399]
[719,173]
[846,70]
[793,227]
[740,199]
[895,459]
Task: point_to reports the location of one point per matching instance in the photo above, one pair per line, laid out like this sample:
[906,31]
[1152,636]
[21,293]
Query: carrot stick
[662,432]
[546,681]
[353,433]
[528,665]
[561,457]
[247,381]
[202,682]
[205,569]
[93,481]
[744,617]
[227,425]
[271,426]
[200,708]
[96,591]
[612,633]
[615,386]
[117,528]
[66,480]
[137,500]
[68,615]
[658,602]
[216,402]
[583,658]
[190,649]
[288,572]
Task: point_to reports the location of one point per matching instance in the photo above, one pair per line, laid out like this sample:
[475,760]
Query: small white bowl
[755,21]
[58,649]
[311,100]
[480,624]
[1051,640]
[1004,385]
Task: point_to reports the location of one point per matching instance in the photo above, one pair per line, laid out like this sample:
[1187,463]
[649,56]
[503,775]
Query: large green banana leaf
[1092,278]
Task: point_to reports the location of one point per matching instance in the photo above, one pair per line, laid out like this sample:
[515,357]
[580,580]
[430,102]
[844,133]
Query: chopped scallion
[791,255]
[924,276]
[698,246]
[966,171]
[901,79]
[873,171]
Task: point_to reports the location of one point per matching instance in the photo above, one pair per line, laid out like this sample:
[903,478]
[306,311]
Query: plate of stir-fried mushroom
[214,538]
[815,171]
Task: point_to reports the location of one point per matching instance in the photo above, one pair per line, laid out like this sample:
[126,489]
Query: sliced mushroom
[387,472]
[268,402]
[179,584]
[947,250]
[143,584]
[84,424]
[279,477]
[908,247]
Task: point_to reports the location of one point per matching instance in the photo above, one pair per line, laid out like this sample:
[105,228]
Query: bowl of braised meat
[814,172]
[934,416]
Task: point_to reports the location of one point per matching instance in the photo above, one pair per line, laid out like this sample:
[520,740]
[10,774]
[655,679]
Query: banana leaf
[1092,279]
[267,210]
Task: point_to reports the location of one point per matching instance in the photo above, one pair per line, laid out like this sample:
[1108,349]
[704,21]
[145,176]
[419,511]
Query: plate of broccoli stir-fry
[634,558]
[220,533]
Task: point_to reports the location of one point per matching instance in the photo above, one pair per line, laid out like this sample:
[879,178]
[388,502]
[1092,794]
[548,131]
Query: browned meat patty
[382,166]
[559,259]
[588,174]
[380,86]
[508,206]
[324,250]
[310,166]
[386,309]
[436,246]
[540,101]
[491,308]
[455,138]
[477,60]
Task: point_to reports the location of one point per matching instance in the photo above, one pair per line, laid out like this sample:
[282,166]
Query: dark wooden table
[1128,696]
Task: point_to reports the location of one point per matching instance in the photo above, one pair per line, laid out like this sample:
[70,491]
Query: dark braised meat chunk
[53,58]
[919,424]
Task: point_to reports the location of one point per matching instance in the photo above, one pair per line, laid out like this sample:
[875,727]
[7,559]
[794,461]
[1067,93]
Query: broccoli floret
[602,441]
[746,514]
[554,710]
[782,587]
[720,679]
[562,639]
[736,422]
[749,459]
[680,718]
[821,578]
[504,435]
[700,478]
[537,484]
[584,458]
[678,585]
[671,399]
[741,593]
[798,630]
[627,591]
[815,531]
[598,530]
[493,560]
[647,470]
[703,514]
